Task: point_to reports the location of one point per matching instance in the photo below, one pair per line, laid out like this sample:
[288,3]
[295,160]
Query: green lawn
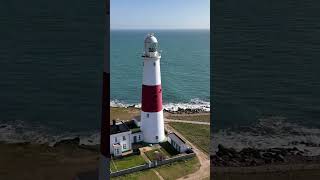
[198,134]
[152,155]
[179,168]
[141,175]
[168,172]
[202,117]
[126,162]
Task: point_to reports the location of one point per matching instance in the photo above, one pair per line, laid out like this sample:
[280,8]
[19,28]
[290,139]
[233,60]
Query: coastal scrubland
[122,113]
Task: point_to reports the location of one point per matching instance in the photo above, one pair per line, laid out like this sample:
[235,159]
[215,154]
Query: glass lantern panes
[153,47]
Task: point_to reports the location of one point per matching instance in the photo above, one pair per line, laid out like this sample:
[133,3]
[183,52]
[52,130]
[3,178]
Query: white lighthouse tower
[152,124]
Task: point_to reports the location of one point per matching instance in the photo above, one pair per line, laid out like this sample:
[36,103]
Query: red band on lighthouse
[151,98]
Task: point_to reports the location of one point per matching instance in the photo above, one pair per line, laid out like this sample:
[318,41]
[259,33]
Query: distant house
[177,142]
[122,135]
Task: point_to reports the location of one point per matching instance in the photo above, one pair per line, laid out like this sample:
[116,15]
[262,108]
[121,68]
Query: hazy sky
[160,14]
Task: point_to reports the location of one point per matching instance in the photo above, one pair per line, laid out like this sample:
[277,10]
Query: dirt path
[142,150]
[114,165]
[185,121]
[204,171]
[159,176]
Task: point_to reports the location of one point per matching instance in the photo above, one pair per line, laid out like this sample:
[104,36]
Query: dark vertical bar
[104,170]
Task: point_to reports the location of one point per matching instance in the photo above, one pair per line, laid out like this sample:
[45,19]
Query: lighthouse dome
[151,46]
[150,39]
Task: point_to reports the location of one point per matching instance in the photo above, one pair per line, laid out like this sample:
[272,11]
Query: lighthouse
[152,123]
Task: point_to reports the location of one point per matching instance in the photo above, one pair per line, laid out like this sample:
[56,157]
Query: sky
[160,14]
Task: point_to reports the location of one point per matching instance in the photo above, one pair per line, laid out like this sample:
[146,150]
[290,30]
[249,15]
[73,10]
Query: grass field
[198,134]
[129,113]
[123,113]
[168,172]
[178,169]
[141,175]
[126,162]
[201,117]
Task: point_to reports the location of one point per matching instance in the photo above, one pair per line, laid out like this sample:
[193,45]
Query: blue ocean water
[51,64]
[266,88]
[185,67]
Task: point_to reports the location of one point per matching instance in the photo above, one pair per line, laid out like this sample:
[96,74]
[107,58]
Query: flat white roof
[175,137]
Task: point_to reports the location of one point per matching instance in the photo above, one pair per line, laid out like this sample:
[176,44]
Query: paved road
[204,171]
[184,121]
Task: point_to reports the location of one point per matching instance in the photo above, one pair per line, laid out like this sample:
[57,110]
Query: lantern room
[151,46]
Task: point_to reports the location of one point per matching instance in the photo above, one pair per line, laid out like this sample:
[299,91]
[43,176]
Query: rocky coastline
[247,157]
[185,111]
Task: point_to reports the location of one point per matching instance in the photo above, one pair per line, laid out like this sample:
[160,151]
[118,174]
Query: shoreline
[22,133]
[271,163]
[193,105]
[178,111]
[251,157]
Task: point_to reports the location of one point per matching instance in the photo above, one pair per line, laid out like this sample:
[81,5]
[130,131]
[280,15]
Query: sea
[51,68]
[265,88]
[265,75]
[185,68]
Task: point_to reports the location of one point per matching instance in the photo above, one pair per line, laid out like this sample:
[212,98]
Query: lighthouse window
[124,138]
[153,47]
[147,115]
[124,146]
[154,64]
[115,139]
[139,137]
[156,137]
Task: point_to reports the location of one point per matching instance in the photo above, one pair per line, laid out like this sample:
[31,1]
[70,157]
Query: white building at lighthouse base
[125,134]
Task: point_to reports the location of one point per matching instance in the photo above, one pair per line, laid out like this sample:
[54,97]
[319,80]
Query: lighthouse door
[134,139]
